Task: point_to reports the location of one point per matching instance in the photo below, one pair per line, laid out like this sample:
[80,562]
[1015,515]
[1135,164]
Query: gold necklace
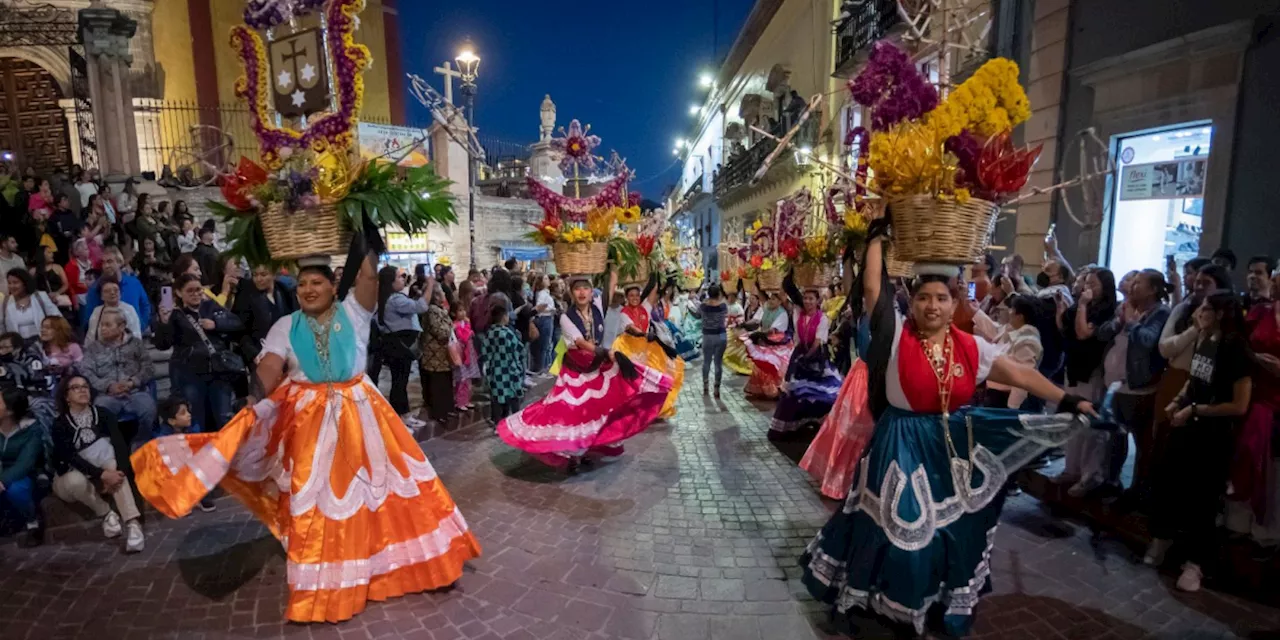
[941,357]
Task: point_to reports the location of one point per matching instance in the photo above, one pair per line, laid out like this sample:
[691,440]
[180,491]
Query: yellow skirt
[338,479]
[735,354]
[650,354]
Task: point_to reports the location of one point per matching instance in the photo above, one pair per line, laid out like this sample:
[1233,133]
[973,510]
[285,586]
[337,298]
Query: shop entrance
[1158,200]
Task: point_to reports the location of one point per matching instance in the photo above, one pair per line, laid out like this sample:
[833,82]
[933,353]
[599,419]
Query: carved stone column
[107,34]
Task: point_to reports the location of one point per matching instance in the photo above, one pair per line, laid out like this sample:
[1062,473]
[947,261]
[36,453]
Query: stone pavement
[693,534]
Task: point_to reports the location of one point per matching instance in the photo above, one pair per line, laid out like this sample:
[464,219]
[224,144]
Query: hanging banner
[1175,179]
[393,143]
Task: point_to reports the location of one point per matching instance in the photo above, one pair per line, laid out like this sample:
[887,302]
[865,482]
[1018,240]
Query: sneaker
[111,525]
[134,541]
[1189,581]
[412,422]
[207,505]
[717,393]
[34,536]
[1155,553]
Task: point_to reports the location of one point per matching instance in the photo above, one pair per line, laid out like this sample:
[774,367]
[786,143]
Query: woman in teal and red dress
[917,528]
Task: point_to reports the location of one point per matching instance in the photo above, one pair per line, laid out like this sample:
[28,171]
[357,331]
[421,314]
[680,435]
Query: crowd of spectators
[1184,360]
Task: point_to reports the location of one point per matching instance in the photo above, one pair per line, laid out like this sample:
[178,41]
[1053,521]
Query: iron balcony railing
[867,22]
[740,169]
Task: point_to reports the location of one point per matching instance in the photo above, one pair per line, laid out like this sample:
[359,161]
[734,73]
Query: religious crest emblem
[298,74]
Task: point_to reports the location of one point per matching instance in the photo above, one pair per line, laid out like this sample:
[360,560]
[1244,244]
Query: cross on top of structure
[449,74]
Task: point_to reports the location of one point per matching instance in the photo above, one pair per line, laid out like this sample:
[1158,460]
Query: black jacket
[189,351]
[66,456]
[207,257]
[257,313]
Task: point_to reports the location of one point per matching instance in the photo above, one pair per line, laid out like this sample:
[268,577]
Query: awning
[525,252]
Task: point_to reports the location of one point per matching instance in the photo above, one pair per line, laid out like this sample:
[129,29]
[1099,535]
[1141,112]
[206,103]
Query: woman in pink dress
[600,398]
[1253,502]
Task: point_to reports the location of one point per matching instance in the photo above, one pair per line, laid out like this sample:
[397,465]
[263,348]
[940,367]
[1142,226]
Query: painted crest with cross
[299,76]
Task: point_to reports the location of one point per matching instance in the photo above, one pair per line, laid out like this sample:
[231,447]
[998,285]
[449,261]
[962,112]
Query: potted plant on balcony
[944,166]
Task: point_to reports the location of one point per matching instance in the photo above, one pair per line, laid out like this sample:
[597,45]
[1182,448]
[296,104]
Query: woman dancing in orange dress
[325,463]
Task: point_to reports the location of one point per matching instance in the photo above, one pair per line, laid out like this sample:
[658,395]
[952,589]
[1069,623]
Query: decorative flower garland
[576,209]
[329,130]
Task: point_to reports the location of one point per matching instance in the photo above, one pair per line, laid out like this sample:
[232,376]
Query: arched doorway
[33,127]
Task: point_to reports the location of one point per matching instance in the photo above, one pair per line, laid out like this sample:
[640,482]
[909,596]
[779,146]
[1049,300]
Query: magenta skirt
[587,410]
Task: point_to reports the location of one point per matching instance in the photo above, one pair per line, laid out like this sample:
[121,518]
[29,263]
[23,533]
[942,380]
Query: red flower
[235,188]
[1003,169]
[757,261]
[791,248]
[645,245]
[726,276]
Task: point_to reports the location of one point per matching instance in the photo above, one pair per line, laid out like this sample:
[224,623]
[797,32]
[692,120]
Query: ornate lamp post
[469,66]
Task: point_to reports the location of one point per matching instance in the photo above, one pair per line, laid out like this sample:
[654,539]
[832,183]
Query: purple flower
[892,87]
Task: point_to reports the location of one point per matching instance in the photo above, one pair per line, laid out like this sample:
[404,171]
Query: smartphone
[1170,263]
[166,297]
[973,291]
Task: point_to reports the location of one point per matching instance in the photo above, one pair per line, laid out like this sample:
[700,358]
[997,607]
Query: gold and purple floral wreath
[331,130]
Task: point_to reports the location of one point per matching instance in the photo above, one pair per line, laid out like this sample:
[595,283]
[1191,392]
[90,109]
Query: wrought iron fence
[497,150]
[189,144]
[742,167]
[867,22]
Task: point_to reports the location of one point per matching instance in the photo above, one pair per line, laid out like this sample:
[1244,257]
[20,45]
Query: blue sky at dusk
[629,69]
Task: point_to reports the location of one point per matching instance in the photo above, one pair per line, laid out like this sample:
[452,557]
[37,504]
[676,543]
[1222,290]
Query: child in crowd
[175,417]
[505,359]
[468,367]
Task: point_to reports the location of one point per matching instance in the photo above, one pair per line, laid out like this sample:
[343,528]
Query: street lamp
[469,67]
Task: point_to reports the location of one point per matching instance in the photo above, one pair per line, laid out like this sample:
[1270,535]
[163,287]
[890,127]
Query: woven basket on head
[730,286]
[897,268]
[926,229]
[814,276]
[688,283]
[306,232]
[641,275]
[770,280]
[587,258]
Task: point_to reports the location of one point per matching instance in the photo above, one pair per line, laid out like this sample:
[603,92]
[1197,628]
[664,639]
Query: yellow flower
[576,235]
[767,264]
[629,215]
[963,195]
[756,227]
[854,221]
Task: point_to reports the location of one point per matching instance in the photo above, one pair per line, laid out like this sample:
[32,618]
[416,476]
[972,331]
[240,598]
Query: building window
[1157,203]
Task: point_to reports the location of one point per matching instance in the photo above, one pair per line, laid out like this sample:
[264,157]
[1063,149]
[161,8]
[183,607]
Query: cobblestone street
[693,534]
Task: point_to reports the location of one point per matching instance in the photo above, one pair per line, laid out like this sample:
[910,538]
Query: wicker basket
[585,258]
[730,286]
[687,283]
[770,280]
[897,268]
[308,232]
[814,276]
[641,275]
[926,229]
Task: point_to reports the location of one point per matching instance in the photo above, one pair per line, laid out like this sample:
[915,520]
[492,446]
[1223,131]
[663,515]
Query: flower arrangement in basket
[584,233]
[764,267]
[944,165]
[808,241]
[732,258]
[644,233]
[691,271]
[309,196]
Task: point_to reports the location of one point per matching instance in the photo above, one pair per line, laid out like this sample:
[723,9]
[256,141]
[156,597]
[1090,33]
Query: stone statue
[548,119]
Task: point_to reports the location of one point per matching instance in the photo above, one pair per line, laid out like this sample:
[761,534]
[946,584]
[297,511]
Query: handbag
[220,361]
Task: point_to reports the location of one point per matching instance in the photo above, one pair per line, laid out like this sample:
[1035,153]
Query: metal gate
[85,129]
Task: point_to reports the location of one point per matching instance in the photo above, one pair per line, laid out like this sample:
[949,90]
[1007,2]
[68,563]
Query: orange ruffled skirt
[338,479]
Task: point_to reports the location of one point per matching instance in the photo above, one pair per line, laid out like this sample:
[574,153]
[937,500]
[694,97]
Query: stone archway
[33,123]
